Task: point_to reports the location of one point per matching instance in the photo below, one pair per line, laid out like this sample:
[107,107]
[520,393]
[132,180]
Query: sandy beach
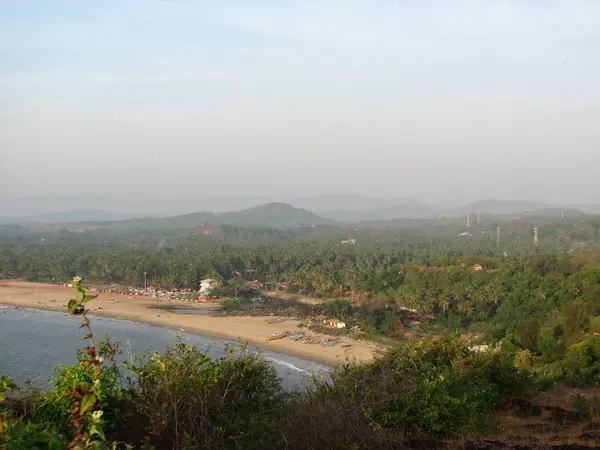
[253,330]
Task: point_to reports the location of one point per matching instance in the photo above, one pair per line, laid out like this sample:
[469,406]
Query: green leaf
[72,306]
[89,298]
[87,402]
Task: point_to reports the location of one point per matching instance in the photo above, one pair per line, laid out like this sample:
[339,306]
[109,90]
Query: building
[477,267]
[334,323]
[208,285]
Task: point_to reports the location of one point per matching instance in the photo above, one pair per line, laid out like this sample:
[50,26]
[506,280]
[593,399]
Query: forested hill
[275,215]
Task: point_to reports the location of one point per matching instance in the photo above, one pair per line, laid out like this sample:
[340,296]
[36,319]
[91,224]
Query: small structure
[334,323]
[208,285]
[480,348]
[466,233]
[477,267]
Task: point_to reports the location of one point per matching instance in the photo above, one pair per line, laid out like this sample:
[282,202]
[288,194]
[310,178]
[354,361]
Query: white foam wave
[285,364]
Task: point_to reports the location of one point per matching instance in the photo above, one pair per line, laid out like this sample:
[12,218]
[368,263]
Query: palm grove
[541,307]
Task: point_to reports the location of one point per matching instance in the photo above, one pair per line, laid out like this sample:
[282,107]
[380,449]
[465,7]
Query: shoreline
[146,310]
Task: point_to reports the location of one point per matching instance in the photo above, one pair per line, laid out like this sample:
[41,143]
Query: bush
[434,389]
[525,360]
[327,422]
[31,436]
[232,304]
[54,406]
[581,365]
[183,395]
[15,432]
[582,405]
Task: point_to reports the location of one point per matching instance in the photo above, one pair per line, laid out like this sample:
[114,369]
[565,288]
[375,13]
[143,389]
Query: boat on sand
[280,335]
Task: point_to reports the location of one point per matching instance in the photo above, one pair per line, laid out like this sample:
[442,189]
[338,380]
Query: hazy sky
[442,100]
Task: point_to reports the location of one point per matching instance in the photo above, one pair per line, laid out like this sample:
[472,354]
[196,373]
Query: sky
[448,102]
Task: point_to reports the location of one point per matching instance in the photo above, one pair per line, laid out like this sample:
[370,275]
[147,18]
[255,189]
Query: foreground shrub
[54,407]
[15,432]
[184,398]
[433,389]
[329,421]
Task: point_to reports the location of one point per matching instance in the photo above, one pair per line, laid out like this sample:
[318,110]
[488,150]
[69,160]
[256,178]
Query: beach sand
[253,330]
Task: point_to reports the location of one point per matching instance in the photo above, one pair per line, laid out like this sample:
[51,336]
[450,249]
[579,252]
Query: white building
[208,284]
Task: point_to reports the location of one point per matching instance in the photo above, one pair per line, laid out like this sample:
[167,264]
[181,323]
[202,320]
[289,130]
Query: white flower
[76,279]
[96,415]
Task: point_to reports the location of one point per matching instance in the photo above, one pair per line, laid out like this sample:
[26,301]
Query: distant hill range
[65,217]
[502,207]
[356,208]
[330,210]
[522,209]
[275,215]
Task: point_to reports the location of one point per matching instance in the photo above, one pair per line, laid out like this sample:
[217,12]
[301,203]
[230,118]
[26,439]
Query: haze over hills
[68,217]
[495,206]
[323,210]
[276,215]
[397,212]
[351,203]
[356,208]
[127,205]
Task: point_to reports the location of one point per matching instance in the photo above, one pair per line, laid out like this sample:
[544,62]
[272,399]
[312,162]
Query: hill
[356,208]
[7,220]
[351,203]
[503,207]
[63,217]
[275,215]
[587,209]
[83,215]
[551,213]
[374,214]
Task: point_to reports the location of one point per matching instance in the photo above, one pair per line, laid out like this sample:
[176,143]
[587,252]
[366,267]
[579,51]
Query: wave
[285,364]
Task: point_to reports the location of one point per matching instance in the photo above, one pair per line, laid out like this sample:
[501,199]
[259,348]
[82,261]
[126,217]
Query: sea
[33,342]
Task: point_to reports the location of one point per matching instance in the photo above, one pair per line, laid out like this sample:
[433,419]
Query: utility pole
[145,283]
[497,237]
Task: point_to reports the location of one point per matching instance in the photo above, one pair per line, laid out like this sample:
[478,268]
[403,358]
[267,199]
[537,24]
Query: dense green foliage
[183,399]
[184,396]
[538,311]
[311,259]
[432,388]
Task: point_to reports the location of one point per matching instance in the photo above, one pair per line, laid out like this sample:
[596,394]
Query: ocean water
[33,342]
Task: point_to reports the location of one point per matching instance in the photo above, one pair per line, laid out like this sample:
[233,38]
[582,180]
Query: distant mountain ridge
[503,207]
[344,209]
[356,208]
[66,217]
[275,215]
[398,212]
